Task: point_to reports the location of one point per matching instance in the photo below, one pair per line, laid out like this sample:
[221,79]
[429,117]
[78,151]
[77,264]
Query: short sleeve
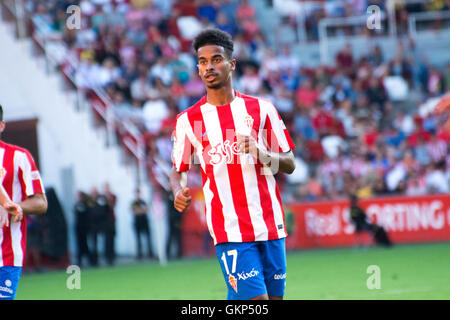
[275,133]
[29,175]
[183,149]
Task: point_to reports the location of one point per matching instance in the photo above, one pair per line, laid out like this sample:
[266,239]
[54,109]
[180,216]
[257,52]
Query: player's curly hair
[215,37]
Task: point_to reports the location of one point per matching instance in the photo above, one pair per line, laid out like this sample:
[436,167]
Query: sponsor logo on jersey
[8,283]
[279,276]
[246,275]
[223,152]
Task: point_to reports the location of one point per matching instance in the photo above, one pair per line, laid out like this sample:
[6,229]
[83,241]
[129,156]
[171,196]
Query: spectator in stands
[416,185]
[141,88]
[436,148]
[155,111]
[418,132]
[435,179]
[375,56]
[344,59]
[307,95]
[322,120]
[421,154]
[379,187]
[314,188]
[287,60]
[223,23]
[286,32]
[250,81]
[404,123]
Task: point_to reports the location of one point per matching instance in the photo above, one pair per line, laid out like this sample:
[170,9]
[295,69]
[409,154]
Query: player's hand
[443,107]
[15,210]
[4,217]
[247,144]
[182,200]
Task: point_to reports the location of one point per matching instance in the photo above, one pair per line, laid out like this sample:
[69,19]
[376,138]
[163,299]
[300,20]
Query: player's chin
[213,85]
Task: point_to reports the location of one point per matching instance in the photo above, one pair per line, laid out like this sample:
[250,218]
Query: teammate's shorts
[251,269]
[9,280]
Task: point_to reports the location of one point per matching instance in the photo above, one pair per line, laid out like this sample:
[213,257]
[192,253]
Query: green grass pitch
[414,271]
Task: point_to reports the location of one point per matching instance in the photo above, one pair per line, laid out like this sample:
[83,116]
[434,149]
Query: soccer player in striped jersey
[240,141]
[22,183]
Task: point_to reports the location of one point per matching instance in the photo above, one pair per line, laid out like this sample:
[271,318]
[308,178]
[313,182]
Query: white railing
[425,16]
[42,40]
[337,22]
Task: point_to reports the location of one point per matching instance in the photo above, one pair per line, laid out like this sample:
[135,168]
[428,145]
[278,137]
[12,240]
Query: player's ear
[233,64]
[2,126]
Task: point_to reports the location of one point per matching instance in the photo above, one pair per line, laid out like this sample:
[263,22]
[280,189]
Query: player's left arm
[35,201]
[276,154]
[285,160]
[277,161]
[34,204]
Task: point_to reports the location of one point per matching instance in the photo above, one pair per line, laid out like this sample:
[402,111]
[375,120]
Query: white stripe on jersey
[214,132]
[277,125]
[20,160]
[239,111]
[16,238]
[208,194]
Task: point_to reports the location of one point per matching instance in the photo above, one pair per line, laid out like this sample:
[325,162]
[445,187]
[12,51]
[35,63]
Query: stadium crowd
[351,132]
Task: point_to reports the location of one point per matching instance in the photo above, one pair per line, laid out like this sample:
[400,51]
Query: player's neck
[221,96]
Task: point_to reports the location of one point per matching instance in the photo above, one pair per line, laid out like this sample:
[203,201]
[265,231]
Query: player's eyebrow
[214,56]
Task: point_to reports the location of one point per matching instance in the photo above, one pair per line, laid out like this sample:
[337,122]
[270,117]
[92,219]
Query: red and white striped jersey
[21,179]
[242,200]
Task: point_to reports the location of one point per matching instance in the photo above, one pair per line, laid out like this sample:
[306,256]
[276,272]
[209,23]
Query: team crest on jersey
[2,173]
[233,282]
[248,121]
[35,175]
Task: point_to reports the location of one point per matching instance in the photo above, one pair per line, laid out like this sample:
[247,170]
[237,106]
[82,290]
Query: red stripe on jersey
[23,186]
[195,118]
[253,109]
[23,223]
[8,164]
[271,139]
[277,191]
[236,179]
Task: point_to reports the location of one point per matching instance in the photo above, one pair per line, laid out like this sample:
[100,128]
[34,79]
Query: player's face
[214,67]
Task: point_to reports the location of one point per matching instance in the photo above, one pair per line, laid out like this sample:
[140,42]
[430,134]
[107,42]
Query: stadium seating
[351,96]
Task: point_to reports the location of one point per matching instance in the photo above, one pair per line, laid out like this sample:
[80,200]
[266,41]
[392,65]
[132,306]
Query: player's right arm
[6,202]
[182,158]
[180,194]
